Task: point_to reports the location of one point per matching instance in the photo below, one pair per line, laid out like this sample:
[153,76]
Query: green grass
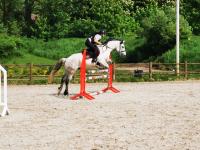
[40,52]
[29,58]
[55,49]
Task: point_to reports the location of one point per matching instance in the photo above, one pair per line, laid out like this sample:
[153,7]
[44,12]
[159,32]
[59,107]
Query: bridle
[120,49]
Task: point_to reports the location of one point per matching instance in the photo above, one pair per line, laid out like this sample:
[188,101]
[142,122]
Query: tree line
[64,18]
[54,19]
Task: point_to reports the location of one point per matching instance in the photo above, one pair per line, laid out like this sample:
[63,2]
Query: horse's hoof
[66,93]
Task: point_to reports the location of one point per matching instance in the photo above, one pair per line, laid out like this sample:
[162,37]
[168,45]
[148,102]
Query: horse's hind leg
[66,92]
[67,80]
[61,84]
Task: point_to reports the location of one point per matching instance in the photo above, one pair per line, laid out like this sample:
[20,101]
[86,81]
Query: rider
[92,43]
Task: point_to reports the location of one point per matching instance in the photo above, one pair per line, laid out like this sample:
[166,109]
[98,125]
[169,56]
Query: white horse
[73,62]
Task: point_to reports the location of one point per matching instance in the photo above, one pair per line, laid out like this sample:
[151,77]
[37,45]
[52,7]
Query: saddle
[89,53]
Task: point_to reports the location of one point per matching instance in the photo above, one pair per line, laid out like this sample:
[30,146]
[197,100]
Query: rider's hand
[97,42]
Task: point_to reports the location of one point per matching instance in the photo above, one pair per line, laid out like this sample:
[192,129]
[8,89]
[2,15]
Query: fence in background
[32,73]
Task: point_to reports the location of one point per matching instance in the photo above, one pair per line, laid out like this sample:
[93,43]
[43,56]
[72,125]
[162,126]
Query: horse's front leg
[109,61]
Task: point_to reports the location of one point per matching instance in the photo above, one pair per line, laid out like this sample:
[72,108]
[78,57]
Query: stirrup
[99,65]
[94,60]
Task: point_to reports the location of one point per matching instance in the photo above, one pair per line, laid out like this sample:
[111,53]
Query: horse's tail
[56,67]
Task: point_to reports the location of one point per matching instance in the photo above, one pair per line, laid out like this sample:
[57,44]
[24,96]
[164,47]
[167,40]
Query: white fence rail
[3,92]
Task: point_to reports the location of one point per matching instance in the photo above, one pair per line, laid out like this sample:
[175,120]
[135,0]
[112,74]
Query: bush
[9,46]
[189,51]
[2,29]
[14,28]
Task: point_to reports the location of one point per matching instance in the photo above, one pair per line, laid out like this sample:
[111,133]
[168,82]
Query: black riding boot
[94,58]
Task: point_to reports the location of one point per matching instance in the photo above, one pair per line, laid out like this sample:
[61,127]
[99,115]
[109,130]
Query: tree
[53,19]
[11,15]
[98,14]
[159,30]
[29,23]
[190,9]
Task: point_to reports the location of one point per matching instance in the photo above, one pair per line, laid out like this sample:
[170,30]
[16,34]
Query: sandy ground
[143,116]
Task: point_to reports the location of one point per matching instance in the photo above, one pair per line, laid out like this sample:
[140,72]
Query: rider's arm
[97,42]
[97,39]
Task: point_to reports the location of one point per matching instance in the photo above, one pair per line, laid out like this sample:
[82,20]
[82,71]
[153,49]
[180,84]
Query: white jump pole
[177,35]
[3,99]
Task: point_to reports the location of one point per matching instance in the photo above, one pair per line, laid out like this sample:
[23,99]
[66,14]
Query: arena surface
[155,115]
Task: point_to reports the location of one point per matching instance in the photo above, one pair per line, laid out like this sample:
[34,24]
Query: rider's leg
[96,54]
[90,49]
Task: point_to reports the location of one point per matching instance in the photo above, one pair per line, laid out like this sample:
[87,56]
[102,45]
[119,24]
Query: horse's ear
[122,41]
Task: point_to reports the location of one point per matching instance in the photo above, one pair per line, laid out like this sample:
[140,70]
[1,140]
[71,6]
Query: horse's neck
[102,49]
[106,48]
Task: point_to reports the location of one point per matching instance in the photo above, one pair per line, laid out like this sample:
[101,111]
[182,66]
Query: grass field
[30,58]
[40,52]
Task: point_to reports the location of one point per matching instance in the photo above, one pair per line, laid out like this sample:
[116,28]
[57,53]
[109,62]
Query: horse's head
[118,45]
[122,50]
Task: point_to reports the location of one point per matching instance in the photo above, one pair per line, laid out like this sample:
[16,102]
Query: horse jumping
[73,62]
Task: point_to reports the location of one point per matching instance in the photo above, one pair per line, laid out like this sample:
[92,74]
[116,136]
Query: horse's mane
[111,39]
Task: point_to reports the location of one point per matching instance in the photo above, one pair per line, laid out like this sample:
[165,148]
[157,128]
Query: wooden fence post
[30,72]
[150,70]
[186,70]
